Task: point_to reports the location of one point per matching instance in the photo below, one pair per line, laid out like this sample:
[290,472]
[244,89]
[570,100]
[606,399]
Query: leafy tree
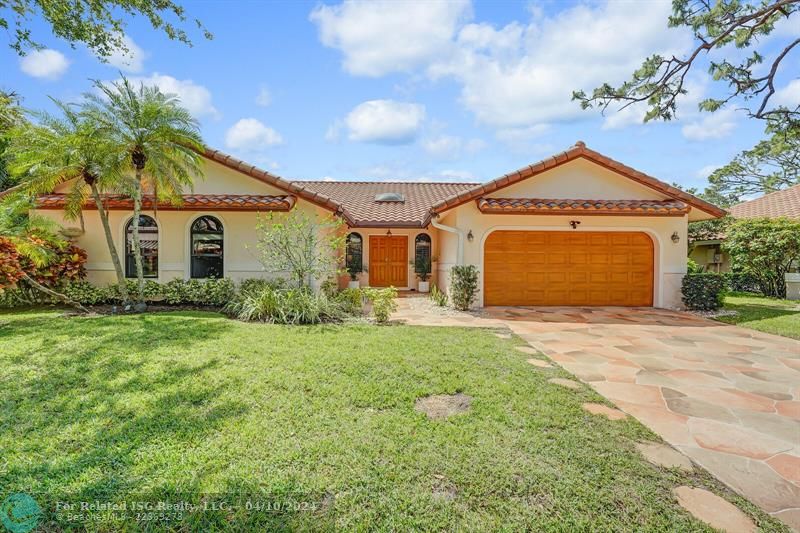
[10,115]
[770,165]
[765,249]
[733,31]
[70,149]
[157,138]
[29,244]
[96,23]
[297,244]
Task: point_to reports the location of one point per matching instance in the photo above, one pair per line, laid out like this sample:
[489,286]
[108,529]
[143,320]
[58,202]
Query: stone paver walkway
[727,397]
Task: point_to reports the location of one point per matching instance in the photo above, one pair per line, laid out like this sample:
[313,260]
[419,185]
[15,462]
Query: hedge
[703,292]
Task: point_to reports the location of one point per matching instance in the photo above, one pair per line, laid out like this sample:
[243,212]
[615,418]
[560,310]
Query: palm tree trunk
[137,243]
[121,282]
[64,298]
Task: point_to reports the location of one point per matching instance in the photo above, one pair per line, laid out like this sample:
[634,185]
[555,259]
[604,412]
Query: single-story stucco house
[577,228]
[708,252]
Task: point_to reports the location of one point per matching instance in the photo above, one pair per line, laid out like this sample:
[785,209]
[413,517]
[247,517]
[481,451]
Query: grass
[771,315]
[177,405]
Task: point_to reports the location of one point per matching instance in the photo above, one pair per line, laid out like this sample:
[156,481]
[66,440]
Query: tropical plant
[384,302]
[693,268]
[438,296]
[29,243]
[159,140]
[299,245]
[69,149]
[463,286]
[766,249]
[422,267]
[11,115]
[293,305]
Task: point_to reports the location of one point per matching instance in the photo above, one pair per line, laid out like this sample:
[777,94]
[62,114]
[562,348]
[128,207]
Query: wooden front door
[388,261]
[568,268]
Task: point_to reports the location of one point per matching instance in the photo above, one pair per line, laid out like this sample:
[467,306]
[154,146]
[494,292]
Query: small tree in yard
[463,286]
[765,249]
[303,246]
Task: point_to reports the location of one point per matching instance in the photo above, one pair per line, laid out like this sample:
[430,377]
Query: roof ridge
[370,182]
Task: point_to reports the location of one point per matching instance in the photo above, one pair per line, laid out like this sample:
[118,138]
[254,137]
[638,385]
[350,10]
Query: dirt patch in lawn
[441,406]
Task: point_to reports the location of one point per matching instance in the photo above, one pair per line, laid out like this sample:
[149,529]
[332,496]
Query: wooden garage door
[566,268]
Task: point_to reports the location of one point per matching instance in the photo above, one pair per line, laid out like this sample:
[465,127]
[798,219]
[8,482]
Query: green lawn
[171,405]
[771,315]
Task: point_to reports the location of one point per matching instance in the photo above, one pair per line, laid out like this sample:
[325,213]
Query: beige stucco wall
[701,254]
[411,235]
[240,257]
[581,180]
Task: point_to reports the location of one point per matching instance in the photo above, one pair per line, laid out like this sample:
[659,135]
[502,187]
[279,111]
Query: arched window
[354,254]
[422,254]
[148,239]
[206,250]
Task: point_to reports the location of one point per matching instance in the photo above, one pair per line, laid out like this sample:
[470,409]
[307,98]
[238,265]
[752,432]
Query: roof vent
[390,197]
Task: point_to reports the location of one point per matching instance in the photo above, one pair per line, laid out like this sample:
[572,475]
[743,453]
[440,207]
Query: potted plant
[353,271]
[422,268]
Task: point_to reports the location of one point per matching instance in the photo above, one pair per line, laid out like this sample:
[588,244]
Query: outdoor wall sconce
[388,232]
[470,236]
[574,223]
[675,237]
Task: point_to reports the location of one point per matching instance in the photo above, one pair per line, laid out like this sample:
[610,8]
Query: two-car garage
[568,268]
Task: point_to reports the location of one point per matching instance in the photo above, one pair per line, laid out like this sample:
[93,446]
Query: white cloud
[47,64]
[250,134]
[706,171]
[385,122]
[449,146]
[711,126]
[788,96]
[519,75]
[630,116]
[194,97]
[388,36]
[264,97]
[130,61]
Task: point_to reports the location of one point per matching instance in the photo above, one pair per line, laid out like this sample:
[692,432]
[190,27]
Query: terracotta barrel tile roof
[543,206]
[365,211]
[785,203]
[221,202]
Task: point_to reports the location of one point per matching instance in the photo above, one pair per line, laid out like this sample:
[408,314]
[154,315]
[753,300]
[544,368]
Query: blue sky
[443,91]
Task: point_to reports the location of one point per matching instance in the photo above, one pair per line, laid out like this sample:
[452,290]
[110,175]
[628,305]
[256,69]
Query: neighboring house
[708,252]
[577,228]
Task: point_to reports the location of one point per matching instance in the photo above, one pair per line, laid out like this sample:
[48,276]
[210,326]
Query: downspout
[460,249]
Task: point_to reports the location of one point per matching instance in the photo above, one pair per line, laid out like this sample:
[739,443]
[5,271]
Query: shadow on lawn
[102,406]
[753,312]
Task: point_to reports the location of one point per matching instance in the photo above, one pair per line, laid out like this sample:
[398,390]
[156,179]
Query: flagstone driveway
[727,397]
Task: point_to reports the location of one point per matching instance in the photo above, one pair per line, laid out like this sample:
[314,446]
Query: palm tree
[69,149]
[28,234]
[158,138]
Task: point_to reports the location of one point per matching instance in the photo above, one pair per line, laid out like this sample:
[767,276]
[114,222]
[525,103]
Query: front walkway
[727,397]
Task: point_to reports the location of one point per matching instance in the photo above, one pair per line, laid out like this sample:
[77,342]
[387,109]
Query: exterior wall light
[389,232]
[675,237]
[470,236]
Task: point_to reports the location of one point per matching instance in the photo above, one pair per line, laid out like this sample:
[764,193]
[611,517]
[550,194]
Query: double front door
[388,260]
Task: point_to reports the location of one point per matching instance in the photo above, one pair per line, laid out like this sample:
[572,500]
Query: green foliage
[213,292]
[463,286]
[765,249]
[437,296]
[98,25]
[294,305]
[88,294]
[257,284]
[741,282]
[709,230]
[422,267]
[352,301]
[703,292]
[383,302]
[304,246]
[10,268]
[692,267]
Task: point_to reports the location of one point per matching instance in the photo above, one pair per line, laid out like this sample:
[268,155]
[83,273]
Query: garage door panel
[565,268]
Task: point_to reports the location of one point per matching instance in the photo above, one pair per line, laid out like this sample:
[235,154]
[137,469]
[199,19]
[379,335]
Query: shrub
[439,298]
[152,290]
[764,248]
[285,306]
[692,267]
[214,292]
[10,270]
[66,264]
[257,284]
[85,293]
[741,282]
[351,300]
[383,302]
[703,292]
[463,286]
